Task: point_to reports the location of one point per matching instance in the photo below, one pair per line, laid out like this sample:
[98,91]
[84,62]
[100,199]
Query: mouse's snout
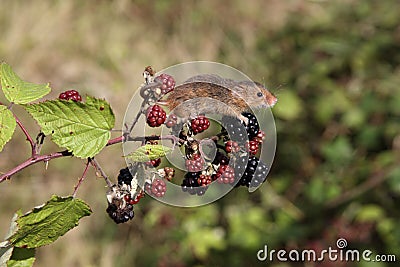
[271,99]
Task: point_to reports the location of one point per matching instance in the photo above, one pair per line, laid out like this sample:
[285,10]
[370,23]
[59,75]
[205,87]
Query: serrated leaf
[7,125]
[6,248]
[148,152]
[22,257]
[82,128]
[44,224]
[19,91]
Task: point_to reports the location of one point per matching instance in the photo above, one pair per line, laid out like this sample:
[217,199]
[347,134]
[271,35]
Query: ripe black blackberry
[124,176]
[120,215]
[156,116]
[252,126]
[190,184]
[168,82]
[70,95]
[260,175]
[235,129]
[220,158]
[254,174]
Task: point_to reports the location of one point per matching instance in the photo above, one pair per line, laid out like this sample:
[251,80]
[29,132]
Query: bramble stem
[97,166]
[28,136]
[38,158]
[32,160]
[81,178]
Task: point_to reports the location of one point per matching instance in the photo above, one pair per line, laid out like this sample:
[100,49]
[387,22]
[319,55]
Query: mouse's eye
[259,94]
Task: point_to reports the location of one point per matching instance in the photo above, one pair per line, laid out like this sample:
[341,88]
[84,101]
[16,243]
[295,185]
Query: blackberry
[135,200]
[225,175]
[155,116]
[254,174]
[260,175]
[252,147]
[232,147]
[240,165]
[204,180]
[220,159]
[70,95]
[260,137]
[252,126]
[158,187]
[125,176]
[172,120]
[195,164]
[199,124]
[168,82]
[235,129]
[190,184]
[154,162]
[120,214]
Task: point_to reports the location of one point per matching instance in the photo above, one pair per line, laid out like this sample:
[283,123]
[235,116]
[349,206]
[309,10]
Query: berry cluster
[199,124]
[122,197]
[155,116]
[225,175]
[167,81]
[235,161]
[195,163]
[120,214]
[70,95]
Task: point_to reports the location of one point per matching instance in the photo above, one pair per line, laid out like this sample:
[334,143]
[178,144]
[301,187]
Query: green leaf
[148,152]
[18,91]
[6,248]
[22,257]
[7,125]
[44,224]
[82,128]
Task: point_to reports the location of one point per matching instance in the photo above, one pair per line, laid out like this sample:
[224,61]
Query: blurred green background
[334,66]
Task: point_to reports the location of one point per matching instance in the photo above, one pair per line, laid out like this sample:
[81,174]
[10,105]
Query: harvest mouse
[193,97]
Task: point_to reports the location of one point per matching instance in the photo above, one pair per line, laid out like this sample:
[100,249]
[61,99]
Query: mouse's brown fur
[206,93]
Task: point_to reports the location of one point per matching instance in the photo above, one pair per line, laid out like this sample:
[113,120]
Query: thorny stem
[28,136]
[97,166]
[45,158]
[32,160]
[81,178]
